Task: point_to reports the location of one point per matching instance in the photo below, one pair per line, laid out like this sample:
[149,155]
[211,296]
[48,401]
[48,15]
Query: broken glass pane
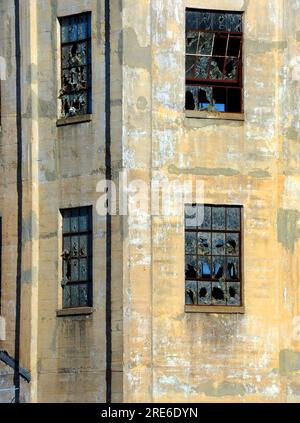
[67,244]
[206,97]
[83,269]
[204,267]
[190,267]
[219,268]
[191,242]
[206,224]
[74,221]
[83,294]
[201,69]
[233,218]
[233,294]
[220,21]
[218,218]
[191,293]
[204,293]
[205,43]
[235,22]
[218,242]
[205,20]
[74,270]
[232,244]
[83,245]
[216,68]
[190,215]
[233,269]
[204,243]
[75,246]
[220,45]
[218,293]
[192,38]
[190,66]
[190,96]
[234,47]
[67,296]
[231,68]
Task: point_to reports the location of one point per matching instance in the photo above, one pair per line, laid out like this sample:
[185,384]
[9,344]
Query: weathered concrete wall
[170,355]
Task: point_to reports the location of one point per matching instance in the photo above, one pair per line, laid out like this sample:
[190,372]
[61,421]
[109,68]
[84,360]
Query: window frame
[89,257]
[77,117]
[213,83]
[215,308]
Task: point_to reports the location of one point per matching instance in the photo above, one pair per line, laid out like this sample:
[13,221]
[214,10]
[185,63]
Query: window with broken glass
[77,257]
[76,80]
[213,255]
[214,61]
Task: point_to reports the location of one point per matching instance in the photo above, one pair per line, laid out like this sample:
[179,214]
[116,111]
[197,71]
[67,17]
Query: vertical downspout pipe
[108,217]
[19,199]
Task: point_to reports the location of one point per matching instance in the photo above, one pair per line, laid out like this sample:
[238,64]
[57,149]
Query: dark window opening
[77,257]
[213,240]
[214,61]
[76,65]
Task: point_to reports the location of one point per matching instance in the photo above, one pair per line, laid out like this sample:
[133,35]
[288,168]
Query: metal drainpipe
[108,217]
[19,199]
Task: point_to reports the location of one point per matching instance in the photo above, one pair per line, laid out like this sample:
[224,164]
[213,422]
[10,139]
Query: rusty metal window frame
[194,85]
[77,291]
[194,283]
[85,68]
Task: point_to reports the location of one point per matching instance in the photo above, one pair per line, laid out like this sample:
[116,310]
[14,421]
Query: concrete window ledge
[78,311]
[2,329]
[72,120]
[197,114]
[214,309]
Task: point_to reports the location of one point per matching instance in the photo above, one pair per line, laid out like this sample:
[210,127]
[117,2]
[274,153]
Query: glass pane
[204,293]
[192,20]
[190,66]
[67,244]
[220,21]
[204,243]
[82,27]
[206,97]
[83,245]
[83,269]
[66,56]
[232,244]
[218,242]
[233,294]
[65,30]
[74,270]
[219,268]
[205,43]
[84,220]
[191,216]
[67,296]
[75,246]
[218,218]
[83,295]
[74,221]
[235,22]
[190,267]
[234,46]
[233,218]
[205,20]
[191,293]
[231,68]
[233,270]
[201,69]
[191,242]
[219,293]
[74,295]
[220,45]
[206,224]
[66,221]
[216,68]
[192,42]
[204,264]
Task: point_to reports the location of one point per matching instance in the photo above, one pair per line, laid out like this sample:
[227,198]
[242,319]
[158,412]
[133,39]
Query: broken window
[213,255]
[77,257]
[76,80]
[214,61]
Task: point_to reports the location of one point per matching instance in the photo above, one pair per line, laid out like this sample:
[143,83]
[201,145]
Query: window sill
[197,114]
[214,309]
[72,120]
[78,311]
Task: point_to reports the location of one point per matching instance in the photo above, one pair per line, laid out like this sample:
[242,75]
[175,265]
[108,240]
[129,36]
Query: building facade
[148,307]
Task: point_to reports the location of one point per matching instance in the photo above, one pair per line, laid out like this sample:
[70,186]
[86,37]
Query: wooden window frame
[223,84]
[88,257]
[215,308]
